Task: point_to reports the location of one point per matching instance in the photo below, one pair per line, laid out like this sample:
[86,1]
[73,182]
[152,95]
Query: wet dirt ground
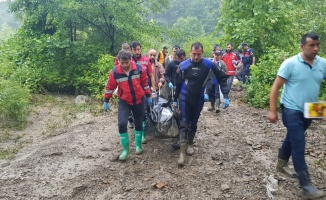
[235,158]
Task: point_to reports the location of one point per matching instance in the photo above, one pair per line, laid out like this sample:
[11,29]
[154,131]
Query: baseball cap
[218,52]
[244,44]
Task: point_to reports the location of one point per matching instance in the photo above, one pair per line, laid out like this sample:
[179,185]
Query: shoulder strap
[209,64]
[114,72]
[139,68]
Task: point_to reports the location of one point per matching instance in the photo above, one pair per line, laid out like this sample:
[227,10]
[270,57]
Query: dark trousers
[294,142]
[124,110]
[212,90]
[246,72]
[190,111]
[146,109]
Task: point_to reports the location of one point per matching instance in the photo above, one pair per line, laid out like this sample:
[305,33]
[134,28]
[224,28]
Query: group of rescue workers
[187,84]
[139,78]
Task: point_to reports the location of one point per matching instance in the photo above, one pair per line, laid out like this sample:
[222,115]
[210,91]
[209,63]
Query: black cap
[218,52]
[244,44]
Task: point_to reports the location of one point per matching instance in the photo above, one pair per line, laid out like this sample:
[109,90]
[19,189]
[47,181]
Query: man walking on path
[162,55]
[231,60]
[248,60]
[301,76]
[147,67]
[191,81]
[132,84]
[158,70]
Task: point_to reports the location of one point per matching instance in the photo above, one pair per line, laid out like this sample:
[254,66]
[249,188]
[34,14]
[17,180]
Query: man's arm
[144,83]
[222,80]
[110,87]
[252,54]
[162,71]
[151,75]
[178,80]
[253,60]
[273,97]
[168,72]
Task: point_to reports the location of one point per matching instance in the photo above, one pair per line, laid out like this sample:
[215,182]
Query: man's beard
[152,60]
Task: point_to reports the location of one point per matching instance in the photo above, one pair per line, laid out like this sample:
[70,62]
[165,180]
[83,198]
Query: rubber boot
[143,137]
[282,164]
[182,156]
[176,145]
[308,190]
[212,108]
[217,105]
[138,138]
[190,148]
[124,138]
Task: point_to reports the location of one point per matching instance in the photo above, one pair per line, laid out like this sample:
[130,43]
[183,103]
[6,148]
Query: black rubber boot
[308,190]
[212,108]
[176,145]
[217,105]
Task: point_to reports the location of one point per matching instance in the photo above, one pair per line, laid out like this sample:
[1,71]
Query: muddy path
[235,154]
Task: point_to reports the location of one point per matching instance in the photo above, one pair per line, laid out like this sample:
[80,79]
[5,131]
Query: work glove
[226,103]
[175,104]
[106,106]
[206,97]
[150,101]
[234,62]
[170,85]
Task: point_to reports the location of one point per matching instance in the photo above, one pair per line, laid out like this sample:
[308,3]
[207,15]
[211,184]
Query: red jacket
[228,57]
[146,65]
[132,88]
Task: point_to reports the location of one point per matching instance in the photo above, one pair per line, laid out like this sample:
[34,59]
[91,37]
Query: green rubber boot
[143,136]
[124,138]
[138,142]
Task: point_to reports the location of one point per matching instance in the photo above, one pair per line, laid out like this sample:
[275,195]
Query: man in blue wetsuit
[190,82]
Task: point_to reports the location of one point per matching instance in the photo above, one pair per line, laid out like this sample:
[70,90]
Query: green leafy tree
[61,40]
[262,24]
[186,28]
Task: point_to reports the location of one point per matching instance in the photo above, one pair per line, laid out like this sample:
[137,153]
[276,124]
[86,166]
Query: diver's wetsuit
[190,81]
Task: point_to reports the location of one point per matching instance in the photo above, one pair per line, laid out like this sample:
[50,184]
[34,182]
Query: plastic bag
[162,122]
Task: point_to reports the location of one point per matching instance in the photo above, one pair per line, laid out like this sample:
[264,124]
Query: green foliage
[47,63]
[14,101]
[262,24]
[263,76]
[206,41]
[206,11]
[183,29]
[8,153]
[95,77]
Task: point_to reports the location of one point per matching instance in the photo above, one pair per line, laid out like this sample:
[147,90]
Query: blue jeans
[294,142]
[229,82]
